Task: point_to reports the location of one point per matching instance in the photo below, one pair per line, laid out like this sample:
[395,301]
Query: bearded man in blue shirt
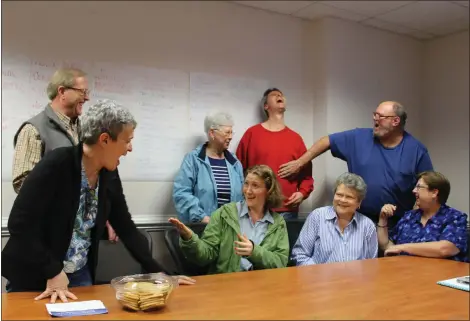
[386,156]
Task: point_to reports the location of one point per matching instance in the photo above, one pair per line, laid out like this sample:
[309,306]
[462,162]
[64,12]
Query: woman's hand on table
[57,287]
[184,280]
[394,250]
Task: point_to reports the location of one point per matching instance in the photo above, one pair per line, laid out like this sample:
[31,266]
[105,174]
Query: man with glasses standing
[386,156]
[56,126]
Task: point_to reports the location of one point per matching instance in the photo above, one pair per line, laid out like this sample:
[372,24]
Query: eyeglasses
[84,92]
[226,134]
[377,115]
[418,187]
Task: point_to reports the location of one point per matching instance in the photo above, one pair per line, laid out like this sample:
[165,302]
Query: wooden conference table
[390,288]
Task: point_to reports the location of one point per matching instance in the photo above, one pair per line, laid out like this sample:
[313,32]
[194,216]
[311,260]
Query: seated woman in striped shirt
[210,175]
[338,233]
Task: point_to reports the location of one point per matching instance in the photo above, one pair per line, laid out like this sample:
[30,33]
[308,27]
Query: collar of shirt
[331,215]
[243,211]
[441,212]
[67,121]
[85,183]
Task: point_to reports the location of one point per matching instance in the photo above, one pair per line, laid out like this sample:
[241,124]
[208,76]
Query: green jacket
[216,246]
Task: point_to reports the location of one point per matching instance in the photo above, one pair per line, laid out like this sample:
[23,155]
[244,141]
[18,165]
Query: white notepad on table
[71,309]
[453,283]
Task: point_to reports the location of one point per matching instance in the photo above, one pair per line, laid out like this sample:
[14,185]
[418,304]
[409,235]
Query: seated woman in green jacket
[242,236]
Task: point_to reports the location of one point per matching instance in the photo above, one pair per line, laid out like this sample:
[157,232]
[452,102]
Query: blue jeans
[289,215]
[81,277]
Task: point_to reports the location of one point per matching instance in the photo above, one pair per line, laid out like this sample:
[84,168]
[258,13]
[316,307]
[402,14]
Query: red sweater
[260,146]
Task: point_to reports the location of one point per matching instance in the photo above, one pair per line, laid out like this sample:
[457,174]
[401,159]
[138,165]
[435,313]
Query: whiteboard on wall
[169,106]
[157,98]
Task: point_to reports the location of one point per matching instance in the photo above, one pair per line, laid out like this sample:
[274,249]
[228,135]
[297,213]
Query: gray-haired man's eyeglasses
[84,92]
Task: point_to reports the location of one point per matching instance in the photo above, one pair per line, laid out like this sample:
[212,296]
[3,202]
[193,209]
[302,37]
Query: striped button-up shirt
[28,148]
[321,239]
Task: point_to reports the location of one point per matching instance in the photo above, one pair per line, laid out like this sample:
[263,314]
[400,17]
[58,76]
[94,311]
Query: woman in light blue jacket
[210,175]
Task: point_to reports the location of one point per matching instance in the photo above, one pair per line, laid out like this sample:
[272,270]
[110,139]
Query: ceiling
[421,20]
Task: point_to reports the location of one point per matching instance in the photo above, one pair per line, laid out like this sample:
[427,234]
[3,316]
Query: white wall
[446,112]
[315,77]
[215,37]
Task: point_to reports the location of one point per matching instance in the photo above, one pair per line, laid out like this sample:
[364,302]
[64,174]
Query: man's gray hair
[217,119]
[106,116]
[63,77]
[352,181]
[400,111]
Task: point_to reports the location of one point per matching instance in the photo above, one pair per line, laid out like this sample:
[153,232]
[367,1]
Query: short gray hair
[216,120]
[106,116]
[400,111]
[352,181]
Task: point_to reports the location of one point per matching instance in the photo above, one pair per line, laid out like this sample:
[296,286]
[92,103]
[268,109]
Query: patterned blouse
[77,254]
[448,224]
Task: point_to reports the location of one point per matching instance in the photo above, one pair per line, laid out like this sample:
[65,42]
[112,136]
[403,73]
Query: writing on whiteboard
[42,63]
[112,87]
[11,86]
[8,73]
[37,106]
[169,107]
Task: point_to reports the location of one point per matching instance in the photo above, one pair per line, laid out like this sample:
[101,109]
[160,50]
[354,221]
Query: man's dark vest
[51,130]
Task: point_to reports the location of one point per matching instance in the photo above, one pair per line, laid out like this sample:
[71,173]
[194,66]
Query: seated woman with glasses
[242,236]
[433,230]
[210,175]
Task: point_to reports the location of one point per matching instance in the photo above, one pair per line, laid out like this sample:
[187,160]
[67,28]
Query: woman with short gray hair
[59,215]
[338,233]
[210,175]
[105,114]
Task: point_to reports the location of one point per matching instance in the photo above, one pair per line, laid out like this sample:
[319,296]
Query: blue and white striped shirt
[321,240]
[222,180]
